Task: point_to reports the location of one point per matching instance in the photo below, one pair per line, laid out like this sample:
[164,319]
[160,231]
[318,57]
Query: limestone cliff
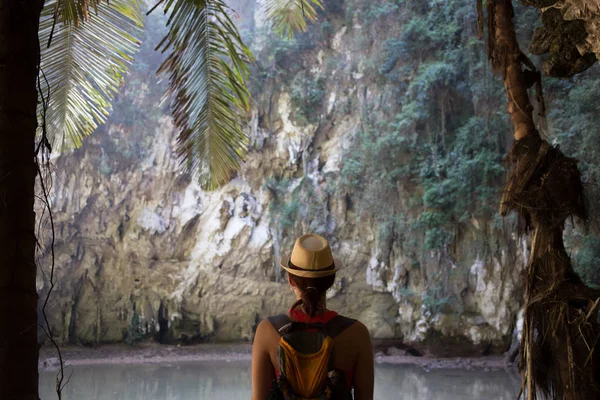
[141,250]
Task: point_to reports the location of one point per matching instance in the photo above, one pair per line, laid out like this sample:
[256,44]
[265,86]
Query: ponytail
[312,291]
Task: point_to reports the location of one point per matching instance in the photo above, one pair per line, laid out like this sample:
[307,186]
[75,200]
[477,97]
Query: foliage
[104,166]
[440,146]
[307,97]
[272,61]
[298,203]
[278,57]
[75,11]
[207,69]
[134,331]
[84,66]
[289,16]
[281,211]
[369,11]
[382,10]
[434,300]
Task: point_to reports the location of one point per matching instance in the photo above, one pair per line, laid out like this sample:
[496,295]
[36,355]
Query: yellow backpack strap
[305,373]
[280,322]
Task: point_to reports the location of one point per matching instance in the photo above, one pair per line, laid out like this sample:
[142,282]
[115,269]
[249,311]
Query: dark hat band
[294,267]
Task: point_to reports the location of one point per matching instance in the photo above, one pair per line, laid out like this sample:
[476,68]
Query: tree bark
[19,49]
[507,58]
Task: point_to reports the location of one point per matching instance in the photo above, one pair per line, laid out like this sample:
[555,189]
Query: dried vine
[41,159]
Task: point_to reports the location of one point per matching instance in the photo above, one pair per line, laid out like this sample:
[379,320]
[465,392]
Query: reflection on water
[404,383]
[231,381]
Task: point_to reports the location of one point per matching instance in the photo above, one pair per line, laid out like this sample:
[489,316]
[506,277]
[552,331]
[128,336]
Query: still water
[231,381]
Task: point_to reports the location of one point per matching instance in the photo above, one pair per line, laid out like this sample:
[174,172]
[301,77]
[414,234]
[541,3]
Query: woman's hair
[312,290]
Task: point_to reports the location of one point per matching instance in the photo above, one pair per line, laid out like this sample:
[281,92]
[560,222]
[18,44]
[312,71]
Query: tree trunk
[506,57]
[560,340]
[19,48]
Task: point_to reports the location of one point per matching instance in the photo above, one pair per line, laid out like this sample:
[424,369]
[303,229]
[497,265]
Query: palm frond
[207,69]
[75,11]
[289,16]
[84,66]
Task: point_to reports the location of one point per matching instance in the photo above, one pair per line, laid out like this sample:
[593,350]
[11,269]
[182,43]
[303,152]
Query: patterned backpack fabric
[306,364]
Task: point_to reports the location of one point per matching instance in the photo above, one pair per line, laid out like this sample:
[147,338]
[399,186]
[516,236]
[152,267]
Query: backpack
[306,362]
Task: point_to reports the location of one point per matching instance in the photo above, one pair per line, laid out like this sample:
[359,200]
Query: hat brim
[310,274]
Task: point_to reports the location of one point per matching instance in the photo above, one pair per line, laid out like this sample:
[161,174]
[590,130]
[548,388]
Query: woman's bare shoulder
[264,336]
[361,328]
[357,331]
[265,327]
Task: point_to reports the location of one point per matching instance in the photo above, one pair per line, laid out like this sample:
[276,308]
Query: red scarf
[301,316]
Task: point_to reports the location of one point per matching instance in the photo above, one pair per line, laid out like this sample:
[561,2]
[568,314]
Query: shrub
[308,96]
[434,299]
[134,332]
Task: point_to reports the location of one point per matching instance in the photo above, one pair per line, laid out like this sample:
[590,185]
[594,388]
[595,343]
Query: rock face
[142,251]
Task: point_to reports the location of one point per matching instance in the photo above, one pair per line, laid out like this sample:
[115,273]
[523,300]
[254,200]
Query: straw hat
[311,258]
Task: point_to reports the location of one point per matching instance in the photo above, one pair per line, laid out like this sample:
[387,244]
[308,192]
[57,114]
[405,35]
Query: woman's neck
[321,309]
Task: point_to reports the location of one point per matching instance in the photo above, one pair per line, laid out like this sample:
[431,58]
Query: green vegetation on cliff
[438,149]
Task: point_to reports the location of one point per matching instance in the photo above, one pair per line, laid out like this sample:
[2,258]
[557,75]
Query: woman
[311,272]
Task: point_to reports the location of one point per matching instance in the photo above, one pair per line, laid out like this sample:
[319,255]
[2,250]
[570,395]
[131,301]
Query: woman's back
[352,351]
[311,271]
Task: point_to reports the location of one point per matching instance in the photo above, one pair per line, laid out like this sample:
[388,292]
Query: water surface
[231,381]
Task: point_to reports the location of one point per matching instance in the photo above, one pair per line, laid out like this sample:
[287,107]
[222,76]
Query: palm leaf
[289,16]
[75,11]
[207,69]
[84,66]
